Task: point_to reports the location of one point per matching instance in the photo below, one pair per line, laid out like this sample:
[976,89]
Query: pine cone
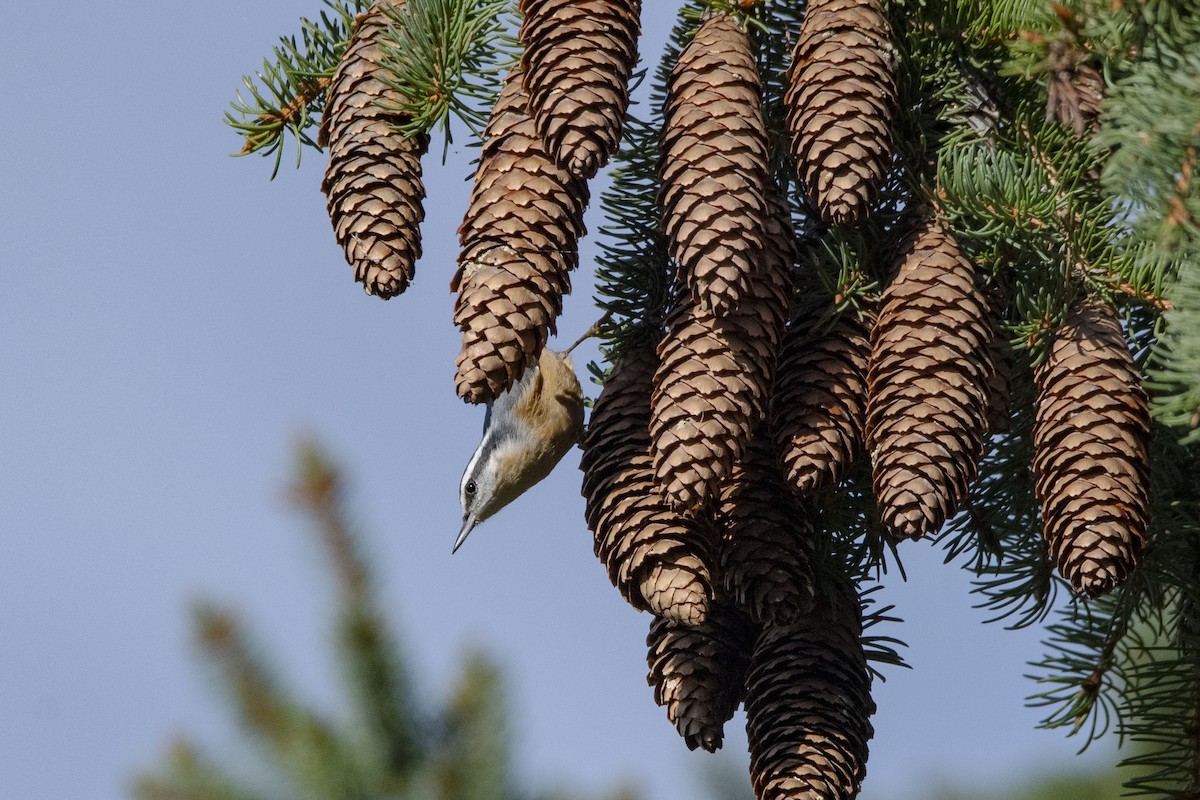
[1075,88]
[808,707]
[715,374]
[1091,451]
[714,166]
[819,405]
[656,559]
[767,541]
[578,57]
[373,182]
[841,92]
[999,413]
[519,243]
[699,672]
[930,365]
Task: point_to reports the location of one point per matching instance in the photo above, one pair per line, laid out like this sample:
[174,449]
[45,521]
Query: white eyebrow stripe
[499,426]
[485,447]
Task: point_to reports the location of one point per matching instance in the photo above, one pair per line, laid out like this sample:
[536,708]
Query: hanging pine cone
[699,672]
[999,413]
[841,92]
[656,559]
[766,549]
[1091,459]
[819,406]
[705,406]
[714,165]
[808,707]
[1074,88]
[519,243]
[373,182]
[579,55]
[930,365]
[715,374]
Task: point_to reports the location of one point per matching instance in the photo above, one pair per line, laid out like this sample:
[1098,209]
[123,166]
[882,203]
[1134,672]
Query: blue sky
[172,322]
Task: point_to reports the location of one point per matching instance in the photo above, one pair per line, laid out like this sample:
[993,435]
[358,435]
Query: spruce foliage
[388,745]
[1055,143]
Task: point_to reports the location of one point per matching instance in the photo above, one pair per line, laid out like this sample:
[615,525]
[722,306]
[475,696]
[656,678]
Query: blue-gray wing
[499,411]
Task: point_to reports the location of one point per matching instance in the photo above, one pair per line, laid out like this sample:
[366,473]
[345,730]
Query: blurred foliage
[388,744]
[1106,785]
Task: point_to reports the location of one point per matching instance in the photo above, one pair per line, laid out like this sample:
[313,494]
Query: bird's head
[526,432]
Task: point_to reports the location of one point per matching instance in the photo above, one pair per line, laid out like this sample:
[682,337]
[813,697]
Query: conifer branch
[633,272]
[1080,667]
[303,746]
[1162,717]
[375,671]
[190,775]
[441,55]
[999,536]
[445,58]
[880,650]
[1160,711]
[462,746]
[263,707]
[1175,371]
[270,123]
[476,736]
[1145,295]
[288,93]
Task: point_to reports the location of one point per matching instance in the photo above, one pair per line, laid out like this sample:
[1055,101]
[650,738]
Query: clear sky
[172,322]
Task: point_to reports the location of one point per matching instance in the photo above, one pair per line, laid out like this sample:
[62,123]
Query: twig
[278,118]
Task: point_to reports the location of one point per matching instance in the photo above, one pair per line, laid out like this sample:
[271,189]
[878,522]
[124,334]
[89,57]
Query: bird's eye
[470,487]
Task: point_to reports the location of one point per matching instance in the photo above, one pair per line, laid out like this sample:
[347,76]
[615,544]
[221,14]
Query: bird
[526,432]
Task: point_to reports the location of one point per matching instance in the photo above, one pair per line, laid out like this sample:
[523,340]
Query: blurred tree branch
[389,746]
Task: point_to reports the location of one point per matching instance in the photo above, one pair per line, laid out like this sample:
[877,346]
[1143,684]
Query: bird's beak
[469,523]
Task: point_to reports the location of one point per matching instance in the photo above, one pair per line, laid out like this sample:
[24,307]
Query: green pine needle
[288,94]
[445,58]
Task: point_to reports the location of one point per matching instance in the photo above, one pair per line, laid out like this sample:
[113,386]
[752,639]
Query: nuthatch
[526,432]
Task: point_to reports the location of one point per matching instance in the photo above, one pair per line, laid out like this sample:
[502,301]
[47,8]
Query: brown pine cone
[699,672]
[519,242]
[579,55]
[1091,460]
[373,182]
[714,166]
[506,308]
[766,548]
[715,375]
[1074,87]
[658,560]
[927,398]
[999,414]
[840,97]
[808,707]
[819,406]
